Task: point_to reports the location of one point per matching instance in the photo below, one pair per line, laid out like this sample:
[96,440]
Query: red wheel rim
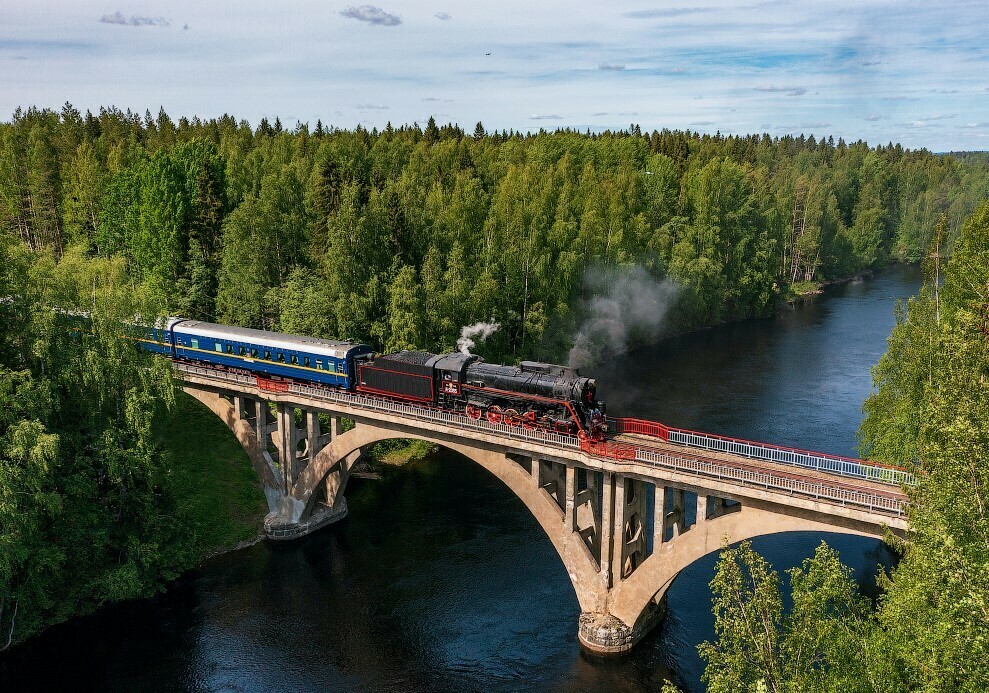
[529,419]
[494,414]
[512,417]
[473,412]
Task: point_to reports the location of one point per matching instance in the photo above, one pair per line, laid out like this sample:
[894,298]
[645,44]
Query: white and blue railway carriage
[270,353]
[158,338]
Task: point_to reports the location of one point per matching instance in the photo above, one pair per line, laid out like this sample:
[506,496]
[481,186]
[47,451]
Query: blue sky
[910,72]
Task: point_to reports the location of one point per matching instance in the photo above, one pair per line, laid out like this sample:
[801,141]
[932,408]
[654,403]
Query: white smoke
[479,330]
[627,306]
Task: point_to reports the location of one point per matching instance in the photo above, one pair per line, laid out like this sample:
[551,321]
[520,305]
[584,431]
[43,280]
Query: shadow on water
[441,580]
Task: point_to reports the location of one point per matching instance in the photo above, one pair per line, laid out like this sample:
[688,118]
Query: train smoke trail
[628,306]
[479,330]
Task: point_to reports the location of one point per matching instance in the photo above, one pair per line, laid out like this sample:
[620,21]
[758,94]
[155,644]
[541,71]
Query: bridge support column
[677,517]
[623,550]
[297,448]
[607,505]
[659,517]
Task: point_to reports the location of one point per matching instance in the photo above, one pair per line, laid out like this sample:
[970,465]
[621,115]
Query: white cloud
[789,91]
[134,20]
[372,15]
[443,16]
[611,67]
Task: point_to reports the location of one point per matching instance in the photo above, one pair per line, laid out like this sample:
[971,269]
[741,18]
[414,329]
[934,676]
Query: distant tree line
[400,237]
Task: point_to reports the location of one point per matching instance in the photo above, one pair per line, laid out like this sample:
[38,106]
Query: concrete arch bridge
[615,512]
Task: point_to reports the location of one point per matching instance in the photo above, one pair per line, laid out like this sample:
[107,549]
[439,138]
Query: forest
[400,238]
[929,628]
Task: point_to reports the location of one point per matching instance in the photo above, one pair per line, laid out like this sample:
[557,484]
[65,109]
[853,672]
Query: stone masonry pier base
[279,528]
[606,635]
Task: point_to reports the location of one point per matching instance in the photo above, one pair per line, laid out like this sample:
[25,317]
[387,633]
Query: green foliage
[319,232]
[930,630]
[814,647]
[932,407]
[82,516]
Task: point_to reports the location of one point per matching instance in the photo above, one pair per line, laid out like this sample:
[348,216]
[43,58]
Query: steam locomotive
[531,395]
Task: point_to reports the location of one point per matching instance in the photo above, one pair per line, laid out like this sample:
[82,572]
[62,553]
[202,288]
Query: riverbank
[801,291]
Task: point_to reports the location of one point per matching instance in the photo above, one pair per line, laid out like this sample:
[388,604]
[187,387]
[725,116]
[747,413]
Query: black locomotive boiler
[531,395]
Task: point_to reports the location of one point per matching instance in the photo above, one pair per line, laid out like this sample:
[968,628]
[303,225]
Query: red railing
[272,385]
[642,427]
[607,448]
[835,464]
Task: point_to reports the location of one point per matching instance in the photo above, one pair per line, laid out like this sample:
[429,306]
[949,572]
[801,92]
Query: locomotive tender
[531,395]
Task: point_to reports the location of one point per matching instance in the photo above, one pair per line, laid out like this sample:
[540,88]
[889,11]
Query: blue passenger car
[159,337]
[323,361]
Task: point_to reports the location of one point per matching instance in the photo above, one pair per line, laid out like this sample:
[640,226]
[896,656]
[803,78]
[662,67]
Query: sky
[915,73]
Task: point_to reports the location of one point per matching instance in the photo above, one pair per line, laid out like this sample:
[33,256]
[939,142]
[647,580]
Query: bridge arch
[336,457]
[631,599]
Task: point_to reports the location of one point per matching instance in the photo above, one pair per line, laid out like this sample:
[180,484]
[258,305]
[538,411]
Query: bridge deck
[863,485]
[651,453]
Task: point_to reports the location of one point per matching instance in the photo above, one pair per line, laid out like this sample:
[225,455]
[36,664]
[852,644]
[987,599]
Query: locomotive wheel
[529,419]
[512,417]
[494,414]
[473,412]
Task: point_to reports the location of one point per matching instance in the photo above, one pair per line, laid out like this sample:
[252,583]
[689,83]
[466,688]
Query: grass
[805,288]
[400,451]
[217,491]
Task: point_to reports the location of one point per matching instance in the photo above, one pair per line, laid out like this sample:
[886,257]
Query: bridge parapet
[873,497]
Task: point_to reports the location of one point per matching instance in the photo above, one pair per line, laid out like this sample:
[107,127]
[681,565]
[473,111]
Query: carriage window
[242,351]
[340,367]
[218,347]
[306,362]
[319,365]
[281,358]
[230,348]
[294,360]
[254,353]
[267,354]
[195,343]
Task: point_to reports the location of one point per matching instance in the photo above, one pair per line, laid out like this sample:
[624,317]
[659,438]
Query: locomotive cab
[450,371]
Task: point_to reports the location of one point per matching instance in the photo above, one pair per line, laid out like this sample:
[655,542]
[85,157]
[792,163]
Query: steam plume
[479,330]
[627,306]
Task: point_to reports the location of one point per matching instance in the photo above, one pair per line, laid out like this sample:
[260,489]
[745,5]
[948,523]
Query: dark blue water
[440,579]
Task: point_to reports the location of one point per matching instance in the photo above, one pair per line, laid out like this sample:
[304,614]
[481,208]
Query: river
[439,579]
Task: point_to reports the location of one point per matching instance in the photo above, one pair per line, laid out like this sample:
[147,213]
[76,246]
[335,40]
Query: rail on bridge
[625,514]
